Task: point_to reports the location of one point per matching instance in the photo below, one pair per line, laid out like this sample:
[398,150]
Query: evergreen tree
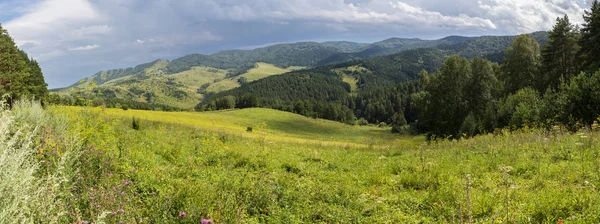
[590,39]
[19,75]
[446,105]
[560,55]
[522,64]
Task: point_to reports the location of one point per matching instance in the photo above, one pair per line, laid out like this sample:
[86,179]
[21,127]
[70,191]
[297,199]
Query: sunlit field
[208,165]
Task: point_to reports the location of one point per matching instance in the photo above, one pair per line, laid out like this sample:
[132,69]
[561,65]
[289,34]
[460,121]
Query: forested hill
[310,54]
[374,90]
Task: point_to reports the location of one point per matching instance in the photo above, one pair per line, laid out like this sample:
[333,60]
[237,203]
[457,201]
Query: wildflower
[206,221]
[121,211]
[74,188]
[140,220]
[182,214]
[126,182]
[113,213]
[84,222]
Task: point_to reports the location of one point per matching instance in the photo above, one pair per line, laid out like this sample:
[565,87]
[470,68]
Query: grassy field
[292,169]
[261,71]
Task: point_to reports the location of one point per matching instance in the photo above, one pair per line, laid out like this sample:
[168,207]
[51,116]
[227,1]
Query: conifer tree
[590,39]
[560,55]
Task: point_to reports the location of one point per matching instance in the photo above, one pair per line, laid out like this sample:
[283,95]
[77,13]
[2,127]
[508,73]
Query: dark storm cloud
[73,39]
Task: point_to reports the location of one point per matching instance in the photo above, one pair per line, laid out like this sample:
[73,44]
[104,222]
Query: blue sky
[73,39]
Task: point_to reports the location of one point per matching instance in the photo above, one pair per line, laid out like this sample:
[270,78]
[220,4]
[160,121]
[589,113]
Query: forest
[534,85]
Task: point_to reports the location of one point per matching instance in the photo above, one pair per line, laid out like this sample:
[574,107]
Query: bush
[249,129]
[135,124]
[362,122]
[34,179]
[125,107]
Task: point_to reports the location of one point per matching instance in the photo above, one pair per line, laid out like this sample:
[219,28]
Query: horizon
[74,39]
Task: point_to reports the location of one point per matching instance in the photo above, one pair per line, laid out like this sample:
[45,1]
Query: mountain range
[186,81]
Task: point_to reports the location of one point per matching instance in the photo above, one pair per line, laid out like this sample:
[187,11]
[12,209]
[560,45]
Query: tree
[446,105]
[580,100]
[560,55]
[522,64]
[13,68]
[590,39]
[479,90]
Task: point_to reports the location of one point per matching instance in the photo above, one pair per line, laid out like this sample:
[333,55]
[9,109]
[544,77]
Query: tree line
[534,86]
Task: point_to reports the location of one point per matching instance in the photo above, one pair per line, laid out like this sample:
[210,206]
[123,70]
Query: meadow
[184,167]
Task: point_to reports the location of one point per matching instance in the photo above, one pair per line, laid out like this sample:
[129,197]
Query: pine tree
[522,64]
[19,75]
[590,39]
[560,55]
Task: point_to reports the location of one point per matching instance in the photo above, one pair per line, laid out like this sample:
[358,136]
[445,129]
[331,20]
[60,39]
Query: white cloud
[138,41]
[518,16]
[49,19]
[85,48]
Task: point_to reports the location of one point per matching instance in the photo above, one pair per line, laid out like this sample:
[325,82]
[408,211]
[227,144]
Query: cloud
[85,48]
[55,32]
[532,15]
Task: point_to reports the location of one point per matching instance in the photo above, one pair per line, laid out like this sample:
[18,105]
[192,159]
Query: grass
[163,92]
[275,125]
[208,166]
[261,71]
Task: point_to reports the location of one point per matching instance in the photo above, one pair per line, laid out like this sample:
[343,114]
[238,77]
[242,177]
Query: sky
[73,39]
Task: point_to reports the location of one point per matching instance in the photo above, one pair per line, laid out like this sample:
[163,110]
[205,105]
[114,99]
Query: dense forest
[456,90]
[20,76]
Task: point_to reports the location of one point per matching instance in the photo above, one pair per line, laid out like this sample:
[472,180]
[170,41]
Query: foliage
[20,76]
[560,54]
[232,177]
[590,33]
[522,64]
[37,159]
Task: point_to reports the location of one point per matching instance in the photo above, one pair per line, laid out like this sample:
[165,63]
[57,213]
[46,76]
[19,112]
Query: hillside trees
[447,104]
[20,76]
[590,39]
[560,54]
[522,64]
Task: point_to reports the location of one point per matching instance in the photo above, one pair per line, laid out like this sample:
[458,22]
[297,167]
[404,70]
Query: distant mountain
[190,79]
[370,77]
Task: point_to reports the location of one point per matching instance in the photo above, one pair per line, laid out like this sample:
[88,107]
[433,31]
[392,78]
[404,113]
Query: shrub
[249,129]
[34,178]
[135,124]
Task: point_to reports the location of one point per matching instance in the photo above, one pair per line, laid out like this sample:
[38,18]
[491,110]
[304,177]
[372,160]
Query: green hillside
[152,85]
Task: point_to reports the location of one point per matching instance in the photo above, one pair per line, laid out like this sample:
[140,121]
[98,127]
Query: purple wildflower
[121,211]
[74,188]
[84,222]
[113,213]
[206,221]
[182,214]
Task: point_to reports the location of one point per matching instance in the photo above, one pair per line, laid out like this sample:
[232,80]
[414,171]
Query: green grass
[207,165]
[262,71]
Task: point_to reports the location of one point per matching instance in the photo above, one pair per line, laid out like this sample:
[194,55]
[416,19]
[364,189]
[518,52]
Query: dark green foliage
[20,76]
[398,122]
[522,64]
[560,54]
[590,39]
[249,129]
[135,123]
[446,104]
[469,126]
[242,80]
[521,109]
[580,99]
